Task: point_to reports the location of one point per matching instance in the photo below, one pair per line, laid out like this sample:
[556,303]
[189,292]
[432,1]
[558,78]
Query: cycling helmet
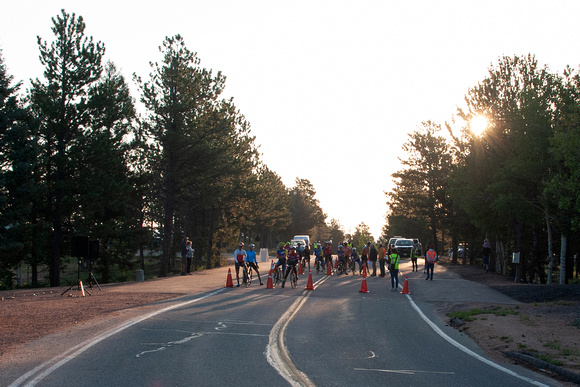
[241,244]
[354,249]
[281,244]
[251,245]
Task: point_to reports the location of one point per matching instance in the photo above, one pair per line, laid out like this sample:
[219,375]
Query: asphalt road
[334,335]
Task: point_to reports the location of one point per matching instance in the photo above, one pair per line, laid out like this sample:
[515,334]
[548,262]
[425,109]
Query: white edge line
[469,351]
[49,366]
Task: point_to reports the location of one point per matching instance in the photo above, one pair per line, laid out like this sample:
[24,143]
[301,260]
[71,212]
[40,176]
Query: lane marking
[46,368]
[171,344]
[406,372]
[276,351]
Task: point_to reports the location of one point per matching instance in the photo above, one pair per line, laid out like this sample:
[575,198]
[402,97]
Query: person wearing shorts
[240,261]
[252,262]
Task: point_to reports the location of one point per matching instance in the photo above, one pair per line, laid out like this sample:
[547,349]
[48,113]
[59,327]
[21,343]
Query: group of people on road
[246,260]
[290,256]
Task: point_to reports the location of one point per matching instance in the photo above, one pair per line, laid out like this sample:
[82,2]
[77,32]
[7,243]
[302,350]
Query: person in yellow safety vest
[393,262]
[414,252]
[430,258]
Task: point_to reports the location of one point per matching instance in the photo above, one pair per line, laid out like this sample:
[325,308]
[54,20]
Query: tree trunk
[550,252]
[210,239]
[454,247]
[563,260]
[167,236]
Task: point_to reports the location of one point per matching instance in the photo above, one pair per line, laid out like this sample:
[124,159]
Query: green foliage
[361,236]
[420,193]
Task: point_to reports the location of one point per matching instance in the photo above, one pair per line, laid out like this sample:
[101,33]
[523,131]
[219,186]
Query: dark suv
[404,247]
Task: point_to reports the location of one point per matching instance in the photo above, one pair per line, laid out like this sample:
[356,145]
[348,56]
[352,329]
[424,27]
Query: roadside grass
[469,315]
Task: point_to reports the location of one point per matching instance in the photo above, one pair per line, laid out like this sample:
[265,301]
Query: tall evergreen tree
[20,236]
[205,150]
[509,166]
[421,187]
[305,208]
[60,102]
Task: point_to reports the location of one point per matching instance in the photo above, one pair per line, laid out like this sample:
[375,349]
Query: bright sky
[341,82]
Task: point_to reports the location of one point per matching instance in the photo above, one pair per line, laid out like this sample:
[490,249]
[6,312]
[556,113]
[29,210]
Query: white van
[304,238]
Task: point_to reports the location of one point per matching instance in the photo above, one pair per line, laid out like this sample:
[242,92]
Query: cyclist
[281,254]
[319,258]
[252,262]
[342,258]
[239,258]
[327,253]
[354,259]
[293,260]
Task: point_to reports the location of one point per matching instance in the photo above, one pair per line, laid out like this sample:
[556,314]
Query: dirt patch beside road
[546,324]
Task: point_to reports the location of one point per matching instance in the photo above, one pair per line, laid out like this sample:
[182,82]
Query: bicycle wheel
[249,277]
[294,280]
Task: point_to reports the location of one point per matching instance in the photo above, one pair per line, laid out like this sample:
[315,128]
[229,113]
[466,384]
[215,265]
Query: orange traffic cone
[406,286]
[229,282]
[309,285]
[300,270]
[270,283]
[329,269]
[363,288]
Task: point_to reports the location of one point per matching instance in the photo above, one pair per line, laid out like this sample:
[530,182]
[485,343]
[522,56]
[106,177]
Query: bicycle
[319,266]
[341,267]
[278,275]
[353,265]
[294,278]
[247,275]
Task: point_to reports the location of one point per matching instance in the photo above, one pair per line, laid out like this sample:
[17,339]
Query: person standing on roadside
[486,252]
[184,256]
[252,262]
[189,257]
[382,259]
[239,259]
[430,258]
[414,253]
[373,254]
[394,269]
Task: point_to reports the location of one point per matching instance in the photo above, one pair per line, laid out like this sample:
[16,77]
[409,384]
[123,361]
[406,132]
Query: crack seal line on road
[46,368]
[469,351]
[276,351]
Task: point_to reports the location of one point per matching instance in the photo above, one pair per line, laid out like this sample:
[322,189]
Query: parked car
[393,240]
[404,247]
